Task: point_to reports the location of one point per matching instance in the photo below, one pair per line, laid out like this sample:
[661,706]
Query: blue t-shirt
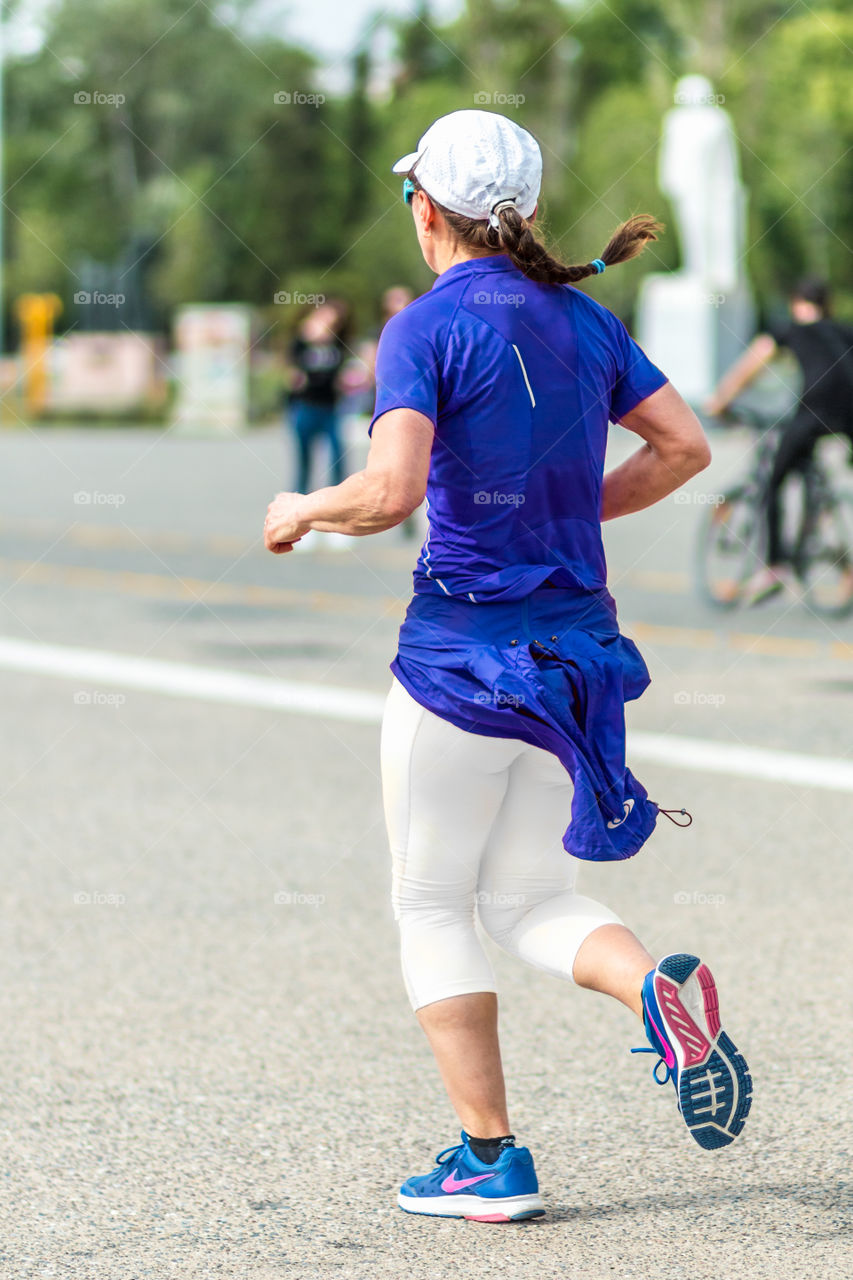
[520,381]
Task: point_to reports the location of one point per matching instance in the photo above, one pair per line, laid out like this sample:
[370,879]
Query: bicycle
[817,528]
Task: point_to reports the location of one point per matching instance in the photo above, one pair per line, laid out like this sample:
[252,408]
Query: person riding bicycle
[823,348]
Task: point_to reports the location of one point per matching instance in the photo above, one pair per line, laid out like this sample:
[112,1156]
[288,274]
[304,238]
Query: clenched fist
[283,525]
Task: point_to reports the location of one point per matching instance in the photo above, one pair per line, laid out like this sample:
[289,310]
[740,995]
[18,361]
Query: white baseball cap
[469,161]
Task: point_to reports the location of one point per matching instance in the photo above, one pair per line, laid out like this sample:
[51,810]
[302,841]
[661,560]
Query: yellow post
[36,313]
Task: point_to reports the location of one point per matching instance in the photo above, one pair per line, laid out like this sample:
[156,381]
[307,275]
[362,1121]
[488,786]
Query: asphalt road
[210,1068]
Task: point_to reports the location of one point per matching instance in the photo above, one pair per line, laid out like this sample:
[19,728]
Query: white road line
[827,772]
[216,684]
[180,680]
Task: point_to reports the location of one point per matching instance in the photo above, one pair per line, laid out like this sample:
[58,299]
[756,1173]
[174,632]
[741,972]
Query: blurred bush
[200,159]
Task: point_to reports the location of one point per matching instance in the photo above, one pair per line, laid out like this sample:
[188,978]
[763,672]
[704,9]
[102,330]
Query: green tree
[188,127]
[237,182]
[802,177]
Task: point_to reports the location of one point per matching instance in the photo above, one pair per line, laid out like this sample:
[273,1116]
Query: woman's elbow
[692,453]
[700,454]
[393,503]
[404,505]
[395,513]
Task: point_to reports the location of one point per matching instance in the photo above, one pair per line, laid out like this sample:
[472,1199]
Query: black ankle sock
[490,1149]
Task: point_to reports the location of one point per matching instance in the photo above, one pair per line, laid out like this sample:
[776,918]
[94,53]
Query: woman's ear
[425,212]
[532,217]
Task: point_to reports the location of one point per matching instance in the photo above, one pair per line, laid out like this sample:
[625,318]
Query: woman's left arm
[391,486]
[675,450]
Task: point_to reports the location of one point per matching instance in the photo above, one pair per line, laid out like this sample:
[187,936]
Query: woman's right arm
[675,449]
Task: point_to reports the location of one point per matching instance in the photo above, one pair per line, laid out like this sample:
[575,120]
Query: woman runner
[506,711]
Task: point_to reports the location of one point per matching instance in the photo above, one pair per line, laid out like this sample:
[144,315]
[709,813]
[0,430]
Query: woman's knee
[541,922]
[500,912]
[436,901]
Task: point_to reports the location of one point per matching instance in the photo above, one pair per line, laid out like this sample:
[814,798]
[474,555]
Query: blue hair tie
[599,265]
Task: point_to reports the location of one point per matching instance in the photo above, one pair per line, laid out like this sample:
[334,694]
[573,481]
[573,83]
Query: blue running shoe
[681,1013]
[462,1186]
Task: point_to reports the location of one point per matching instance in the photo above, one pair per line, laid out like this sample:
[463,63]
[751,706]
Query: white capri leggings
[475,826]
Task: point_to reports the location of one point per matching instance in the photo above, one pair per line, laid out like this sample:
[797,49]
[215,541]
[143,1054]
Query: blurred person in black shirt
[394,299]
[823,348]
[317,353]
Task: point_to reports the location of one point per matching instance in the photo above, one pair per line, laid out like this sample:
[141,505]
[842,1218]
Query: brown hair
[514,237]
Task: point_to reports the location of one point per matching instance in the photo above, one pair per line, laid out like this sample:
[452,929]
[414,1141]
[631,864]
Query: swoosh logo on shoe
[452,1183]
[668,1055]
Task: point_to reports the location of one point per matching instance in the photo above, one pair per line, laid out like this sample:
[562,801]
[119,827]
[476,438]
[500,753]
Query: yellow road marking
[91,535]
[165,586]
[782,646]
[662,581]
[685,637]
[105,535]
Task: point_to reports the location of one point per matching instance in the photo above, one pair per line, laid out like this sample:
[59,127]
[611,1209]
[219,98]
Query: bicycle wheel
[827,559]
[728,548]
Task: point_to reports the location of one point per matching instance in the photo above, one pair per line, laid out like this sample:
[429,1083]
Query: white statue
[695,321]
[698,170]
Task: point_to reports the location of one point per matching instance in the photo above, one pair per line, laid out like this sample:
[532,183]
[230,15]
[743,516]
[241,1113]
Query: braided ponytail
[514,236]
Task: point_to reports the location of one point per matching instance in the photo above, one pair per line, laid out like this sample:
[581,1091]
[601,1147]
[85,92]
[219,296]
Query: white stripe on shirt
[526,379]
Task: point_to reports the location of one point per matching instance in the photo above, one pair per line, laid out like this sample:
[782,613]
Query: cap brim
[407,162]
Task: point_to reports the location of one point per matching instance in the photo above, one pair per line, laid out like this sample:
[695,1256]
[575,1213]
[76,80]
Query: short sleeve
[637,377]
[407,367]
[780,332]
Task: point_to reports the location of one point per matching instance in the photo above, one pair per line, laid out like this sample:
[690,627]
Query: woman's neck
[446,255]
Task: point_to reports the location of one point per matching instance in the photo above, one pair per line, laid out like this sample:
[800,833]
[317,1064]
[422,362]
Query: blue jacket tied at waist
[525,669]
